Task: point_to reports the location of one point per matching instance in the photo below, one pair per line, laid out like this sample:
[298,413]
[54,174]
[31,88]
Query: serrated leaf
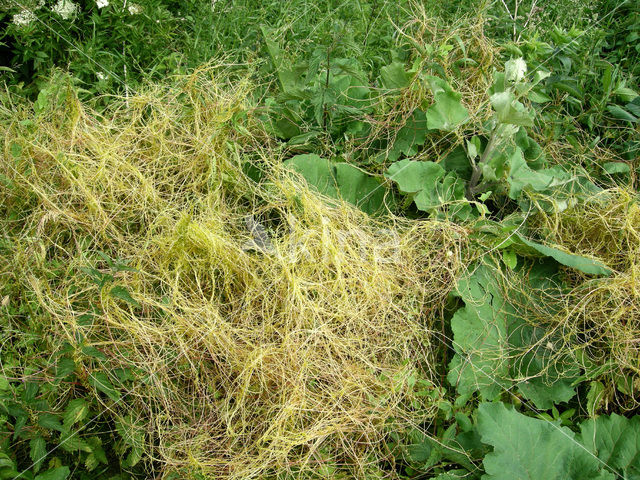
[60,473]
[50,421]
[594,397]
[123,294]
[526,448]
[101,382]
[93,352]
[616,442]
[37,452]
[64,368]
[76,411]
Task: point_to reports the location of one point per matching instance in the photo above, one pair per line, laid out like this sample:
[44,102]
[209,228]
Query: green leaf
[447,113]
[101,382]
[495,347]
[509,110]
[123,294]
[37,452]
[480,337]
[521,176]
[341,180]
[594,397]
[616,167]
[526,448]
[76,411]
[64,368]
[621,114]
[394,76]
[430,186]
[317,171]
[360,189]
[50,421]
[616,442]
[584,264]
[412,135]
[60,473]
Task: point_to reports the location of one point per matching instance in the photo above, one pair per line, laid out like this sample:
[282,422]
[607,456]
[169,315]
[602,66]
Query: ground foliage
[369,240]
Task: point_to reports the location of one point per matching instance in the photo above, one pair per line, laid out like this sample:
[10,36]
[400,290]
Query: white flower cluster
[65,8]
[134,9]
[24,17]
[102,3]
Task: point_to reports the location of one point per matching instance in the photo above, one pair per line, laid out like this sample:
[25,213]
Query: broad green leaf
[37,452]
[123,294]
[101,382]
[495,346]
[584,264]
[509,110]
[515,70]
[616,442]
[360,189]
[430,186]
[60,473]
[394,76]
[521,176]
[76,411]
[64,368]
[447,112]
[317,171]
[341,180]
[480,337]
[526,448]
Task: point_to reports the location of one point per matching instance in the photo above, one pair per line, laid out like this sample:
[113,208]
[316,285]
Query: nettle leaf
[616,442]
[101,382]
[50,422]
[431,186]
[526,448]
[584,264]
[509,110]
[123,294]
[37,452]
[76,411]
[60,473]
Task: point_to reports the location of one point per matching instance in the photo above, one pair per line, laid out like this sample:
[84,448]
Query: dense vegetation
[359,239]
